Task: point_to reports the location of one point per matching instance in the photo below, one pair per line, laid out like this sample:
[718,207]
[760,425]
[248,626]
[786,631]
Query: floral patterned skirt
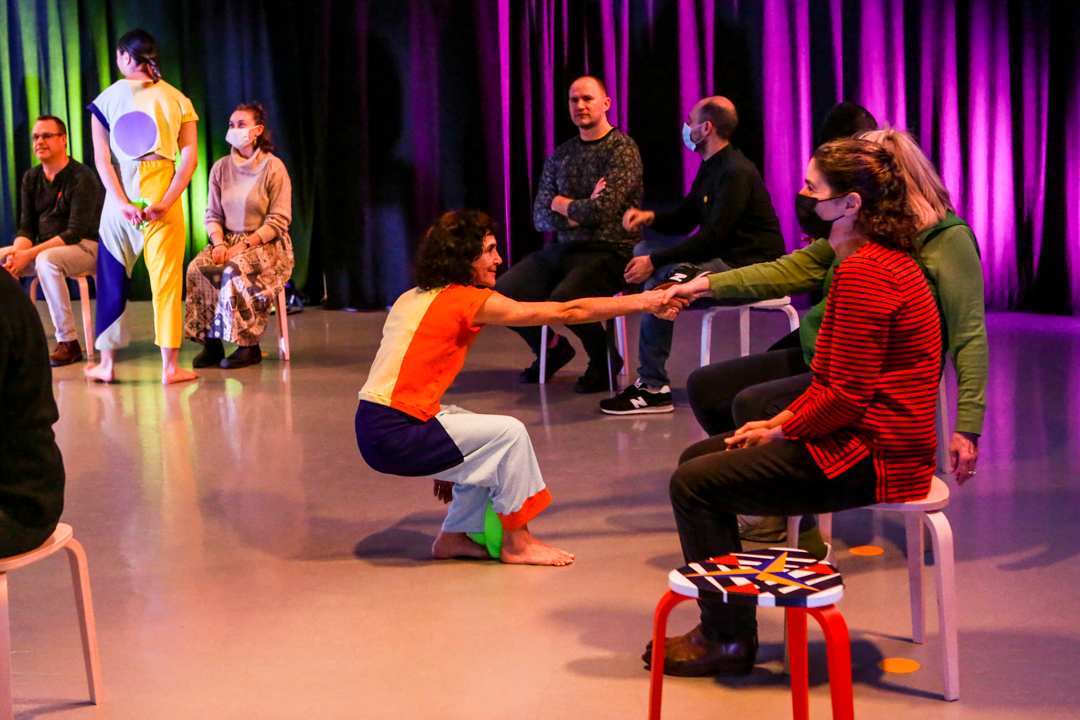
[232,302]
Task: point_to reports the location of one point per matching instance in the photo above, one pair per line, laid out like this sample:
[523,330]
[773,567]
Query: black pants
[16,539]
[727,394]
[712,486]
[559,272]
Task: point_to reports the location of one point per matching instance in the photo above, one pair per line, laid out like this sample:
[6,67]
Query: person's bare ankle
[101,372]
[519,547]
[170,376]
[456,545]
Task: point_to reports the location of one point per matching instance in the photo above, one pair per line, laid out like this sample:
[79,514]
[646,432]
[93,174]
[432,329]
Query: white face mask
[687,131]
[239,138]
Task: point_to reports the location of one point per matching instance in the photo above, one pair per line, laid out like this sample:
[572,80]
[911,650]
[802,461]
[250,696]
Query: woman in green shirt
[728,394]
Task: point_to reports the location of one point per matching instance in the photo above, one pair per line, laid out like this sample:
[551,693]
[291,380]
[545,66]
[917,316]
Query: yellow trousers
[163,242]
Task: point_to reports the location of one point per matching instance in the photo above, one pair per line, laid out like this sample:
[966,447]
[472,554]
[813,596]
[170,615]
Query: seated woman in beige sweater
[233,282]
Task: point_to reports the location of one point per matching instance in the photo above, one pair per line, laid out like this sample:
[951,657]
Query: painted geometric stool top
[774,577]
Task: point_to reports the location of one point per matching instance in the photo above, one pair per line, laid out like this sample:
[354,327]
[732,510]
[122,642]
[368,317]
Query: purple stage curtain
[400,111]
[969,80]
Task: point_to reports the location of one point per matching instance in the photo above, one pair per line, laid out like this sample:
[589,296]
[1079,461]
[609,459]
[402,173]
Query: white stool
[620,341]
[281,308]
[783,304]
[916,513]
[87,316]
[61,538]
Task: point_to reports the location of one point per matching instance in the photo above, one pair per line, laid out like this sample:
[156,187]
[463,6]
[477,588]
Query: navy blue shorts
[397,443]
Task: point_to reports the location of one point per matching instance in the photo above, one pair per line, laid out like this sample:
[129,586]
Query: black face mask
[809,221]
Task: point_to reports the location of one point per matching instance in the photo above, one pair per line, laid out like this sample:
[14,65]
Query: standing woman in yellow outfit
[143,122]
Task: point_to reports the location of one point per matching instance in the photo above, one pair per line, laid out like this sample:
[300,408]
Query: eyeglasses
[45,136]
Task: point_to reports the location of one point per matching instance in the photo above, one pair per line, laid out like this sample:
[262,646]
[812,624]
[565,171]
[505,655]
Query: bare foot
[99,373]
[519,547]
[177,375]
[452,545]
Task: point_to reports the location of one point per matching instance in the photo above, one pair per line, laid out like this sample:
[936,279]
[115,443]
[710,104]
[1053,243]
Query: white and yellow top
[142,117]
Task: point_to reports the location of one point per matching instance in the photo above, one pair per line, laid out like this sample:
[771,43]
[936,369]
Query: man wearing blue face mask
[730,206]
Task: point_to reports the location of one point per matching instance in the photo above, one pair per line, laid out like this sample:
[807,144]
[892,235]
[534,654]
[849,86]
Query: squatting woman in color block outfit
[402,427]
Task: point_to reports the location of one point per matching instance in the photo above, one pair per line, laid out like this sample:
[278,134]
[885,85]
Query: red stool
[776,577]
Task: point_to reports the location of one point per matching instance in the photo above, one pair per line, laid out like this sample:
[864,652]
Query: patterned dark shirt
[573,171]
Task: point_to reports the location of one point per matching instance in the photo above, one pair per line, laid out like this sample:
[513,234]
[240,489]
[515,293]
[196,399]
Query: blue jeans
[654,342]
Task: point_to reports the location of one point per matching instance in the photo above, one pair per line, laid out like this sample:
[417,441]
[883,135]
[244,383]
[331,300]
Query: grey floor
[245,562]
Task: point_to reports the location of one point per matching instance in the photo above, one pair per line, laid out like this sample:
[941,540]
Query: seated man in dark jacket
[31,469]
[737,226]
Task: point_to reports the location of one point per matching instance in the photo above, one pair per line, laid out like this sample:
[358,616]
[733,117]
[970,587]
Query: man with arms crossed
[587,185]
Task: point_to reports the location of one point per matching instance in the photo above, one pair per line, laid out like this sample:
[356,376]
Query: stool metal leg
[84,605]
[744,331]
[838,646]
[87,317]
[620,341]
[793,317]
[944,568]
[610,339]
[6,711]
[706,336]
[656,674]
[793,530]
[795,618]
[283,325]
[914,530]
[543,354]
[824,522]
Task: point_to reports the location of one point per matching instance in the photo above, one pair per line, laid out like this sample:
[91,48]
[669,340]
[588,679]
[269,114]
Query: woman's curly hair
[869,169]
[450,247]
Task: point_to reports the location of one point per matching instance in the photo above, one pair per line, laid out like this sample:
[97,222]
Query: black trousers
[16,539]
[559,272]
[726,395]
[712,486]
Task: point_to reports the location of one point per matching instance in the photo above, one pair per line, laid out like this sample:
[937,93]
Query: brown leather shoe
[66,353]
[694,655]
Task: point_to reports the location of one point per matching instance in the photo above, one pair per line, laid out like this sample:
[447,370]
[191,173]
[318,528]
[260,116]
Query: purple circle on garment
[136,133]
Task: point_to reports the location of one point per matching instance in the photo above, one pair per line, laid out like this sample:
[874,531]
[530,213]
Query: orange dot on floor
[898,665]
[266,354]
[866,550]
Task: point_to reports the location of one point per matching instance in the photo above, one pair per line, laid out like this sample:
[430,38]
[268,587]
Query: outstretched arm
[501,310]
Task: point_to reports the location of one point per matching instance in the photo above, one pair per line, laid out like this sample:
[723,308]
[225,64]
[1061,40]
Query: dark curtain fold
[388,113]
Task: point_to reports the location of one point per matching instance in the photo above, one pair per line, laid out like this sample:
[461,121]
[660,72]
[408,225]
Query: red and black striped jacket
[876,371]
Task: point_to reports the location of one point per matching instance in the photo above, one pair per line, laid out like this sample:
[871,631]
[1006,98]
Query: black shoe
[557,357]
[595,378]
[211,356]
[684,273]
[638,400]
[242,357]
[694,655]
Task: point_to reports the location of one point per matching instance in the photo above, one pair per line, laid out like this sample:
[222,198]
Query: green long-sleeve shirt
[952,265]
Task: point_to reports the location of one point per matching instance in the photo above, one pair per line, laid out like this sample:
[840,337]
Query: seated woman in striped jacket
[862,433]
